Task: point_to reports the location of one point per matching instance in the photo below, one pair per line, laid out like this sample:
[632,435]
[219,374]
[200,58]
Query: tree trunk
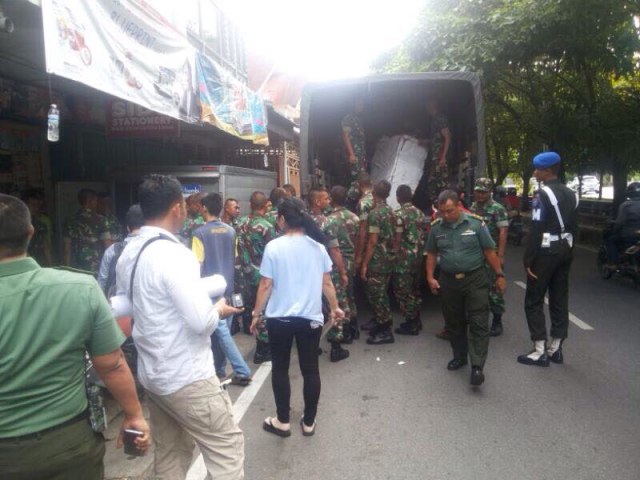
[620,172]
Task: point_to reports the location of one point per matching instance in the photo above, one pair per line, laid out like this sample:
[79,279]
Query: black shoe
[338,353]
[408,328]
[370,325]
[496,327]
[347,335]
[263,353]
[380,337]
[477,377]
[557,356]
[543,361]
[456,364]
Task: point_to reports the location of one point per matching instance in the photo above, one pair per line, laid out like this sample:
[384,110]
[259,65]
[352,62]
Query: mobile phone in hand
[237,300]
[130,447]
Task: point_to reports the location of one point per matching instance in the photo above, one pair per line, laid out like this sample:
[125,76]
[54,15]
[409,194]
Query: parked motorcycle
[628,264]
[516,229]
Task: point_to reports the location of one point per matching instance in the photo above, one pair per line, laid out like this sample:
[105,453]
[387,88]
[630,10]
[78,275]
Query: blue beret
[546,160]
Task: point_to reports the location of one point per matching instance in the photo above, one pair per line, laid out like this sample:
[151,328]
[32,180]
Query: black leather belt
[461,275]
[31,436]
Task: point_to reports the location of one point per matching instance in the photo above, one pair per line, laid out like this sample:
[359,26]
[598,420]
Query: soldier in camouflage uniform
[276,196]
[105,208]
[365,205]
[254,232]
[409,240]
[194,218]
[346,227]
[377,264]
[86,234]
[231,213]
[319,199]
[495,216]
[353,138]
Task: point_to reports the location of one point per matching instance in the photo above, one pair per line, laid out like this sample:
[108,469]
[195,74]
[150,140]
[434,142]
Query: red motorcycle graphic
[69,31]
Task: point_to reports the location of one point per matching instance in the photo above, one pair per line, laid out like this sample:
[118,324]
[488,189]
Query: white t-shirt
[296,264]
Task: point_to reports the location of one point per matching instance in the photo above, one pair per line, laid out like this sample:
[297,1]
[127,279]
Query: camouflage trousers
[438,181]
[496,299]
[346,302]
[406,290]
[378,296]
[354,170]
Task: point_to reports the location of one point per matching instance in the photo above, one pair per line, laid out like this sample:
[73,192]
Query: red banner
[125,119]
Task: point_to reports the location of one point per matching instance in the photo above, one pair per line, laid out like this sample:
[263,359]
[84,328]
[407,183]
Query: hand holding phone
[129,438]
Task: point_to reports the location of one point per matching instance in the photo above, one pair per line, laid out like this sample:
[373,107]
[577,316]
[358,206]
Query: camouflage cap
[483,184]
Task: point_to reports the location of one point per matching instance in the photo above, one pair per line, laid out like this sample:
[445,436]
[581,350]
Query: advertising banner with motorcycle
[133,49]
[228,104]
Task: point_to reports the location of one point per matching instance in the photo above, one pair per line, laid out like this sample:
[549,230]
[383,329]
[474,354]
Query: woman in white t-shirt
[295,273]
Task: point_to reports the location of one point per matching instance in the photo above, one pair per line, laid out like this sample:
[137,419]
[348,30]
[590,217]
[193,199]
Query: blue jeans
[224,347]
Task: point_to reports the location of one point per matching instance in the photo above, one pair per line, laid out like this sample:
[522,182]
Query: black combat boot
[263,353]
[380,335]
[337,352]
[411,327]
[496,326]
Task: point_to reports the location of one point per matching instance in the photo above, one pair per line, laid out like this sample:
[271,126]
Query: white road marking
[575,320]
[198,470]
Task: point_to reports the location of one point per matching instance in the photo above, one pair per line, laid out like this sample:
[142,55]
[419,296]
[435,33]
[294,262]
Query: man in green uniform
[463,244]
[231,213]
[365,205]
[495,217]
[194,217]
[105,208]
[275,197]
[319,200]
[409,240]
[353,138]
[87,235]
[254,233]
[377,264]
[50,318]
[346,227]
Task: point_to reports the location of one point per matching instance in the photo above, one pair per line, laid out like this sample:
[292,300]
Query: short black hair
[276,196]
[229,200]
[313,194]
[257,201]
[134,218]
[213,203]
[86,194]
[291,190]
[403,193]
[157,194]
[339,195]
[382,189]
[15,220]
[364,180]
[447,195]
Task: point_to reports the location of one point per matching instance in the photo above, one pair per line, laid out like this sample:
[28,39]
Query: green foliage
[557,73]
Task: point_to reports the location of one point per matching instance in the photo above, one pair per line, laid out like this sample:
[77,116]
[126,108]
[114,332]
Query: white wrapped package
[215,285]
[399,160]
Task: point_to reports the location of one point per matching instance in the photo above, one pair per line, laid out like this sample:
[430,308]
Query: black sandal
[267,426]
[305,432]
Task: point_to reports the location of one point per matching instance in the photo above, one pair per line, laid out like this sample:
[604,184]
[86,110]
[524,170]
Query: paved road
[382,420]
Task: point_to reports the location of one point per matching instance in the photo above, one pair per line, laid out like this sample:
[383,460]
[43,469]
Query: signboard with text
[126,119]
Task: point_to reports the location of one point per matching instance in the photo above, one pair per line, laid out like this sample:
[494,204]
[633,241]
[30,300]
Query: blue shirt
[296,264]
[214,245]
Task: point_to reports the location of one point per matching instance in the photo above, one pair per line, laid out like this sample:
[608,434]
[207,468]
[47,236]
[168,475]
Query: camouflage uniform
[272,216]
[87,231]
[188,227]
[365,205]
[352,126]
[330,229]
[438,177]
[254,232]
[382,221]
[345,225]
[411,223]
[113,226]
[495,216]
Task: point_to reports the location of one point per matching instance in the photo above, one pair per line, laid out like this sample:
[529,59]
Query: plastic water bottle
[53,124]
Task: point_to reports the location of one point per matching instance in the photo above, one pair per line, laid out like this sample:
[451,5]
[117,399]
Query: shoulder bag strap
[554,201]
[135,265]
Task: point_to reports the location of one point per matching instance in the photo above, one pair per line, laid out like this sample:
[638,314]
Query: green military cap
[483,185]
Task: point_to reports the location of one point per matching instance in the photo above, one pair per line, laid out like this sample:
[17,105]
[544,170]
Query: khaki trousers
[198,414]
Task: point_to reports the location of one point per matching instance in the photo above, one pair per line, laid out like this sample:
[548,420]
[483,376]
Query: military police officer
[254,232]
[409,241]
[547,260]
[495,217]
[377,263]
[463,244]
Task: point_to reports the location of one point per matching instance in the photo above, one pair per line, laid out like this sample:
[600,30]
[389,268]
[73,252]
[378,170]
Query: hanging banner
[136,50]
[228,104]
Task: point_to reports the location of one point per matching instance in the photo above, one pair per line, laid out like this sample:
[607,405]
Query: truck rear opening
[394,105]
